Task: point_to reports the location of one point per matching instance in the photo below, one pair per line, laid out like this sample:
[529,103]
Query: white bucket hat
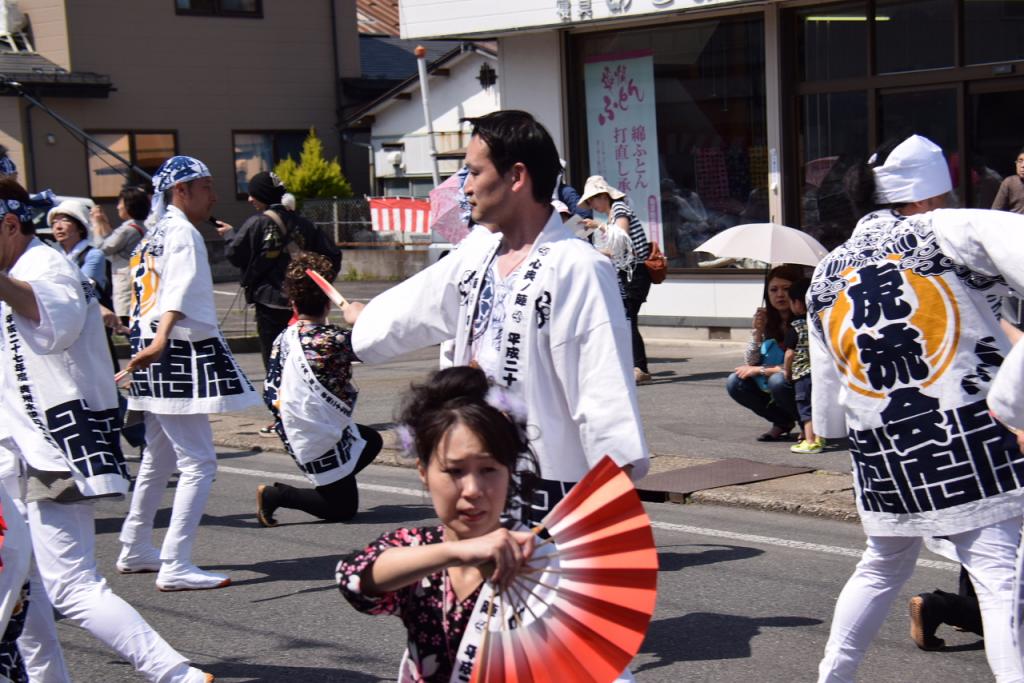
[597,185]
[74,208]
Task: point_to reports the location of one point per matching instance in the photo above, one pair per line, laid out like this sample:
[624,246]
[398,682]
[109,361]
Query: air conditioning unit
[395,159]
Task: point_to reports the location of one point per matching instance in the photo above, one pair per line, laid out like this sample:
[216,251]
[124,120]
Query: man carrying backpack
[262,249]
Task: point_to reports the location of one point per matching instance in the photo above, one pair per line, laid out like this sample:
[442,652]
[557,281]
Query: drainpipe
[337,77]
[30,148]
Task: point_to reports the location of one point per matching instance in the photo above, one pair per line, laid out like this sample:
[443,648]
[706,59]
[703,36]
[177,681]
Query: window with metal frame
[220,8]
[256,151]
[145,149]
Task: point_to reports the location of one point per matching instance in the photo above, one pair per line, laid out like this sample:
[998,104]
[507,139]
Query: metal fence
[348,221]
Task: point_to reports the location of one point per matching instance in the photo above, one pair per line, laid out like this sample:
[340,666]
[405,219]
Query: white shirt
[578,388]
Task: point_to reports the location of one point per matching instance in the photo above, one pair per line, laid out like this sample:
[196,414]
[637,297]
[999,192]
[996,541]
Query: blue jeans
[777,405]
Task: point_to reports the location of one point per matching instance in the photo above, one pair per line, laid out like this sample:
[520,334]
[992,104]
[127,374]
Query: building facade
[462,83]
[732,112]
[236,83]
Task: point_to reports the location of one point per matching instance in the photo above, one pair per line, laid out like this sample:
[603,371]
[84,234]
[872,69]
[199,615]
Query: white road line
[664,526]
[377,488]
[788,543]
[223,293]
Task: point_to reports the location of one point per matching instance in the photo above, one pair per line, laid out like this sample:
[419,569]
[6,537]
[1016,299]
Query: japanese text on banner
[622,131]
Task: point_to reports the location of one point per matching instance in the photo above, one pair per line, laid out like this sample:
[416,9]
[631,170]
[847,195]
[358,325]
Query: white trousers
[38,644]
[173,442]
[987,553]
[63,537]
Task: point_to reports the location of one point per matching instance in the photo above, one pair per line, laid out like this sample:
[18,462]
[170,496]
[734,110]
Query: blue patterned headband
[17,208]
[179,169]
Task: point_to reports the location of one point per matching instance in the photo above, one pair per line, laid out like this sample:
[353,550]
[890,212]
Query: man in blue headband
[59,408]
[181,371]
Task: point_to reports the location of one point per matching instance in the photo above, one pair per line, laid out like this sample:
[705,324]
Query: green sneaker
[809,447]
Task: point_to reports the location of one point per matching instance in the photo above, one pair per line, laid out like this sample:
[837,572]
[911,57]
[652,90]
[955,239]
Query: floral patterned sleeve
[350,570]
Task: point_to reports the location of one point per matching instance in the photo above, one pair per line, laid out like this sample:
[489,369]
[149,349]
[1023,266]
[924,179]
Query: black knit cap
[266,187]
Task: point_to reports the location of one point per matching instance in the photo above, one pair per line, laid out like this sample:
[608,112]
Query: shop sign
[622,130]
[437,18]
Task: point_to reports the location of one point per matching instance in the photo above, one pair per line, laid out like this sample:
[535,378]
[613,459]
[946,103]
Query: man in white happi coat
[181,371]
[904,349]
[60,411]
[536,308]
[1006,400]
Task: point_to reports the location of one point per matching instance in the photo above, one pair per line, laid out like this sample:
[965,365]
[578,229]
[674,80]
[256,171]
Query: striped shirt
[641,247]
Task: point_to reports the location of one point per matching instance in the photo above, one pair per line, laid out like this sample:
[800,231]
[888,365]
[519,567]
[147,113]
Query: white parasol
[768,242]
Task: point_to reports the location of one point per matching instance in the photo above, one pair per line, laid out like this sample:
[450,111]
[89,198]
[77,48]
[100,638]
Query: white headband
[914,170]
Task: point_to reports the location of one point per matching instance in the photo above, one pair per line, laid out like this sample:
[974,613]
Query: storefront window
[709,112]
[995,136]
[921,80]
[833,42]
[931,113]
[913,35]
[993,30]
[834,133]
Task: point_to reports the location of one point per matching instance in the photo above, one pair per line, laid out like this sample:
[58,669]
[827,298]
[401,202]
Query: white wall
[437,18]
[531,78]
[706,296]
[452,97]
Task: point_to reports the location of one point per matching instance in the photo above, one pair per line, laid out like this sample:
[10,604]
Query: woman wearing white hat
[628,255]
[904,346]
[70,224]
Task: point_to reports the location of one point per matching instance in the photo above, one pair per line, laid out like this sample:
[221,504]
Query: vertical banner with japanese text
[622,132]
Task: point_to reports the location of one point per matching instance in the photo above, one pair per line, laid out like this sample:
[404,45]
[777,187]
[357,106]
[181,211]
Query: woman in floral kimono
[467,441]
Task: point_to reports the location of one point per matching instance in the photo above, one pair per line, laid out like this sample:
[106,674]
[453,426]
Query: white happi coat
[1006,398]
[572,363]
[196,373]
[58,392]
[904,346]
[319,432]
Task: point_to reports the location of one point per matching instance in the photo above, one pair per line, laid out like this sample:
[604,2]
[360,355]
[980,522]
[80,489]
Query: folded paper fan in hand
[328,289]
[579,610]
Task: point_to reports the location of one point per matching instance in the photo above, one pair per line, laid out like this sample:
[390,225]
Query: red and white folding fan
[579,611]
[328,289]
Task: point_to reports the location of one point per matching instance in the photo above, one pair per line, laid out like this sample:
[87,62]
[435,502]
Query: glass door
[930,112]
[995,136]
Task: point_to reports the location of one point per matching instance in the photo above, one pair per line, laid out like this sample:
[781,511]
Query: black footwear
[925,616]
[783,434]
[266,503]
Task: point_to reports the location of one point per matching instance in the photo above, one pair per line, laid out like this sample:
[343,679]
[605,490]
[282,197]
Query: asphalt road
[743,596]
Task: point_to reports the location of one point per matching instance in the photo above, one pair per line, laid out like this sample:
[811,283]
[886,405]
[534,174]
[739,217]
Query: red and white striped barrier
[400,215]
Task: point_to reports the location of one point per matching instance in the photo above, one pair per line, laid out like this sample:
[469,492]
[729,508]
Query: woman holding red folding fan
[467,438]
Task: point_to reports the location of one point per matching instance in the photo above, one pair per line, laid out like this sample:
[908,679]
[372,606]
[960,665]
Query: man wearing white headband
[181,371]
[903,333]
[59,407]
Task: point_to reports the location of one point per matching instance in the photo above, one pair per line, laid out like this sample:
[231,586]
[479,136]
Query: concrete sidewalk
[688,418]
